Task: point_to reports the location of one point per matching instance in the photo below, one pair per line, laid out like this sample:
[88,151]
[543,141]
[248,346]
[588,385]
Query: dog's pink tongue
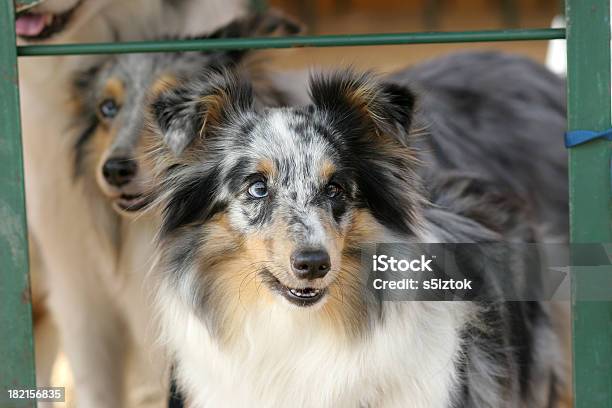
[30,25]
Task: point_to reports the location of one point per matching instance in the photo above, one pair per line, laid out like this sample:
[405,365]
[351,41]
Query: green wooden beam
[16,348]
[289,42]
[588,44]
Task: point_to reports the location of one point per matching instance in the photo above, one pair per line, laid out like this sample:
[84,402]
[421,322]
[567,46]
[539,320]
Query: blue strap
[578,137]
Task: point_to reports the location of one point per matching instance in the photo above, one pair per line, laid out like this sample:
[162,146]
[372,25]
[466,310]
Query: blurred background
[378,16]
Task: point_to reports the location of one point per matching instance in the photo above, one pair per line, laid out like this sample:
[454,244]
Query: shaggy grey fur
[499,116]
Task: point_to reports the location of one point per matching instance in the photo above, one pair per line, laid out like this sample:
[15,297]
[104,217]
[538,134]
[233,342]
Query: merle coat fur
[255,185]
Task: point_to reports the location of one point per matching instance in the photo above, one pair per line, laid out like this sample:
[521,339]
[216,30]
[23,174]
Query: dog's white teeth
[308,293]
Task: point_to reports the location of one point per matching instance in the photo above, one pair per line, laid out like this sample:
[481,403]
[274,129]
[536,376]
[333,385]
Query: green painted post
[588,42]
[16,348]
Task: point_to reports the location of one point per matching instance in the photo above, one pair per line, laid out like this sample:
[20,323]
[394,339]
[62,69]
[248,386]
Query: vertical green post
[16,348]
[588,45]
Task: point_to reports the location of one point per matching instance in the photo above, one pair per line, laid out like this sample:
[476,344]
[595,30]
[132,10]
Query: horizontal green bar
[289,42]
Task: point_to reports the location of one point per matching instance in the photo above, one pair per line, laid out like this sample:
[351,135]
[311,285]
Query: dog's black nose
[310,263]
[119,171]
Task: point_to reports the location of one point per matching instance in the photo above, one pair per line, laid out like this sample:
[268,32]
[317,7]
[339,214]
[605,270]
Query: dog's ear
[267,24]
[359,102]
[183,121]
[373,121]
[196,109]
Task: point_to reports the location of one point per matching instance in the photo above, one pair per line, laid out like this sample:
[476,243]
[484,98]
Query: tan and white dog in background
[75,246]
[111,101]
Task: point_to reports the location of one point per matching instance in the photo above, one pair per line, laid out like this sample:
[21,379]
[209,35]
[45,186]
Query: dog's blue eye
[333,190]
[109,109]
[258,189]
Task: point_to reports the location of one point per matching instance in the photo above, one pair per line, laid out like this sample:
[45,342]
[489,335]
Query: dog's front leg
[148,371]
[148,377]
[92,336]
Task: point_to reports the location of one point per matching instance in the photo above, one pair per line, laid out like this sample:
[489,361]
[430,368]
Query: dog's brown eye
[258,189]
[333,190]
[108,109]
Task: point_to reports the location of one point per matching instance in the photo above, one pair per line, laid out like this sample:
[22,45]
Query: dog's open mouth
[33,26]
[303,297]
[131,202]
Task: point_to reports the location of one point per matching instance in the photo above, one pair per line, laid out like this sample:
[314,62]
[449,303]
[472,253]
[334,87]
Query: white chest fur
[284,360]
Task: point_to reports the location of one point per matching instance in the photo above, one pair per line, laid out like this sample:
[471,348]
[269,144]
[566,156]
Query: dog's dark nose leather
[118,172]
[310,263]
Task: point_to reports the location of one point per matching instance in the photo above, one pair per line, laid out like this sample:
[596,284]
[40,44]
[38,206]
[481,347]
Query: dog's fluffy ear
[358,100]
[267,24]
[193,110]
[373,121]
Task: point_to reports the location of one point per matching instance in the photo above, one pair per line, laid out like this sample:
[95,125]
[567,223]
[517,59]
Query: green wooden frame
[16,344]
[589,104]
[291,42]
[589,107]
